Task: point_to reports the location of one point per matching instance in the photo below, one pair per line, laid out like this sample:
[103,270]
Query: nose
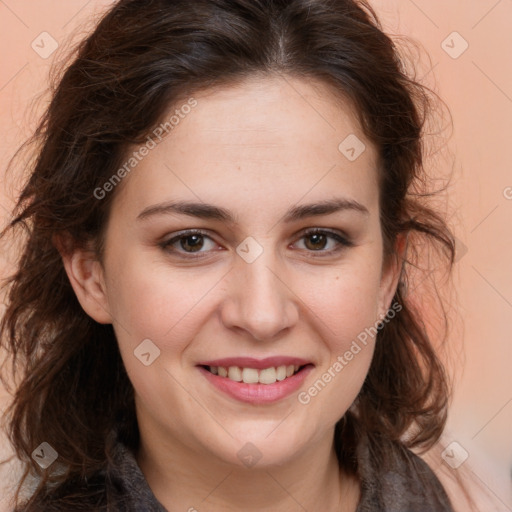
[259,300]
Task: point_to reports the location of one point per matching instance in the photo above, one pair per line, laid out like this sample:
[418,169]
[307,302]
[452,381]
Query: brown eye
[192,242]
[317,240]
[189,242]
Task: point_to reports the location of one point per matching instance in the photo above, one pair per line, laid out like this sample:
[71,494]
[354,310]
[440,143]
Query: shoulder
[465,489]
[393,478]
[74,494]
[119,487]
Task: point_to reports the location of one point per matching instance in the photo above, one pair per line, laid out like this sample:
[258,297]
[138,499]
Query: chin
[265,449]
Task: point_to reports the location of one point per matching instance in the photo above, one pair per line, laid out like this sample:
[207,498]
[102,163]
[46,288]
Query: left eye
[321,237]
[192,241]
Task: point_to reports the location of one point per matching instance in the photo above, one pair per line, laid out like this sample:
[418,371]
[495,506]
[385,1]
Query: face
[258,276]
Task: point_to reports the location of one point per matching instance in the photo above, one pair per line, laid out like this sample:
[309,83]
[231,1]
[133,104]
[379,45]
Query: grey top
[407,484]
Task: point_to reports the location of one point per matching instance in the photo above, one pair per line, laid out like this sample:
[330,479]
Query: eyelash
[341,240]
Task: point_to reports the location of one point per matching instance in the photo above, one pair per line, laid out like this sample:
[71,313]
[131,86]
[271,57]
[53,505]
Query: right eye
[189,242]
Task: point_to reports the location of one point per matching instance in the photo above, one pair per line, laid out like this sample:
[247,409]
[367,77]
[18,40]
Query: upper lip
[258,364]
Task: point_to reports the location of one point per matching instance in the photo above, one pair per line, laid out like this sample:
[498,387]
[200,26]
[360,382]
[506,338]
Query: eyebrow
[210,211]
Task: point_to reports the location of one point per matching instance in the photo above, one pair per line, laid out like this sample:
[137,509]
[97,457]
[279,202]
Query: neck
[184,480]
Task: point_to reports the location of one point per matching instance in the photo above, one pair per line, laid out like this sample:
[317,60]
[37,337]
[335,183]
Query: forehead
[263,113]
[267,140]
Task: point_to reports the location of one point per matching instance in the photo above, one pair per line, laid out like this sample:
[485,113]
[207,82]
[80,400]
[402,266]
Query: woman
[210,306]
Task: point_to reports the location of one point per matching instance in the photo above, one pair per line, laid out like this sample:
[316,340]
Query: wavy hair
[141,58]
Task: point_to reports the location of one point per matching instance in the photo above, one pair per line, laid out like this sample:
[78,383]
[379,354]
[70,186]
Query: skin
[256,149]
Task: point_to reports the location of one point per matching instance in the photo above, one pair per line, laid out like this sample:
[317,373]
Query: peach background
[477,86]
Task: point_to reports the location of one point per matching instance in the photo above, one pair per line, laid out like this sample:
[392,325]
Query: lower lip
[258,393]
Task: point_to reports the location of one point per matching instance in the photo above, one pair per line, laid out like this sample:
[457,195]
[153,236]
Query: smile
[261,385]
[253,375]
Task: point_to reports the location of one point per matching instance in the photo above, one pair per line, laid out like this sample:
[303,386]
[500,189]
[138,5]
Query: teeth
[254,376]
[281,373]
[268,376]
[234,373]
[250,375]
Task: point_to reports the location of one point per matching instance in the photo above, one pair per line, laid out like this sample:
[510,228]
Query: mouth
[256,381]
[248,375]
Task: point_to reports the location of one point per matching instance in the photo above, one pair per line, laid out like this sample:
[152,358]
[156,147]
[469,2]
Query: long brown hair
[141,58]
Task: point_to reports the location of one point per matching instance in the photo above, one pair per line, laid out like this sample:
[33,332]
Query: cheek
[346,323]
[152,300]
[345,302]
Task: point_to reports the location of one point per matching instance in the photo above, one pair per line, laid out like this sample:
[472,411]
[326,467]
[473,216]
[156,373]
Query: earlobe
[86,276]
[391,275]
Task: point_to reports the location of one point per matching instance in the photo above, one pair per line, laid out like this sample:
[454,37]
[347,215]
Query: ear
[390,275]
[86,276]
